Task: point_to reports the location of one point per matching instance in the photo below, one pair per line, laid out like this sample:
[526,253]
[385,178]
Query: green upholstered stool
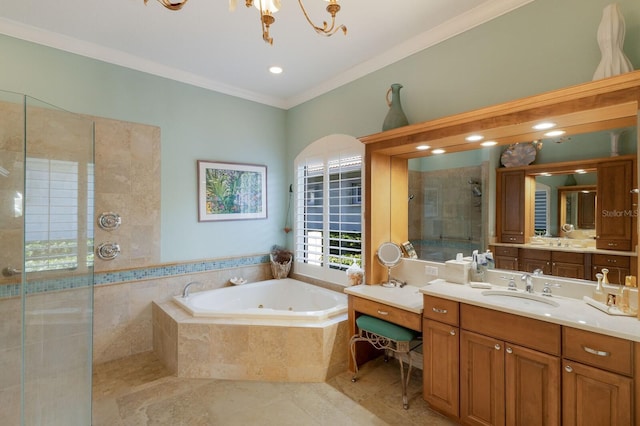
[385,335]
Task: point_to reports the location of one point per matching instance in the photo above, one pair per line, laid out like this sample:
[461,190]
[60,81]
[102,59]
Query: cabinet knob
[439,311]
[383,312]
[497,346]
[509,350]
[568,369]
[452,332]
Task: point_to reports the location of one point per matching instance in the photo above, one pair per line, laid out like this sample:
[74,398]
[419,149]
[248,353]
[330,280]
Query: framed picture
[230,191]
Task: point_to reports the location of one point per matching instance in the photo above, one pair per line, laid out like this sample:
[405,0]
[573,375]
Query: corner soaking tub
[276,330]
[273,299]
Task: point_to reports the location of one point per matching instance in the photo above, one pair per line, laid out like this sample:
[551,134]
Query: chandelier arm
[332,9]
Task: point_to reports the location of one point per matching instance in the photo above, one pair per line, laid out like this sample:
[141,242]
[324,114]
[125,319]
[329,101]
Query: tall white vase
[611,40]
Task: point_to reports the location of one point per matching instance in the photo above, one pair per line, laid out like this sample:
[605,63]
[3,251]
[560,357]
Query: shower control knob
[109,221]
[108,251]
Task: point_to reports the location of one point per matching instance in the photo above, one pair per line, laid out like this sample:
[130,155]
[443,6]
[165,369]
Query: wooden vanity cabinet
[506,257]
[597,382]
[441,352]
[532,259]
[514,206]
[510,369]
[618,266]
[569,264]
[615,205]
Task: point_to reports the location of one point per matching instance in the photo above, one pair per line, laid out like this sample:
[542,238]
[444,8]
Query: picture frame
[231,191]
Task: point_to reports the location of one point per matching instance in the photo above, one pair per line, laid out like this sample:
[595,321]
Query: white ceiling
[206,45]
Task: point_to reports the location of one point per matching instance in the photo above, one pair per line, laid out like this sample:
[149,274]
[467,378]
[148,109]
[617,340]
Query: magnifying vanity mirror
[389,255]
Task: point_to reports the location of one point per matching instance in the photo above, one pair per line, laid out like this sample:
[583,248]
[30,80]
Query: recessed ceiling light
[275,70]
[545,174]
[581,171]
[439,151]
[555,133]
[422,147]
[474,138]
[489,143]
[544,125]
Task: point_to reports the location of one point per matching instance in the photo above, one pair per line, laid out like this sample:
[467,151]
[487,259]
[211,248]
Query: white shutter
[51,215]
[328,214]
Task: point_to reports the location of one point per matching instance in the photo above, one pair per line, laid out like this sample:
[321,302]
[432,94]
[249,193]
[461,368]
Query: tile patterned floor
[139,391]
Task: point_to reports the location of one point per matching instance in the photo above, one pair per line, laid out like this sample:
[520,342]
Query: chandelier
[268,7]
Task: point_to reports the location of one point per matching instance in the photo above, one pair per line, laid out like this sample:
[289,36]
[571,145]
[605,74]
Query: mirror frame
[593,106]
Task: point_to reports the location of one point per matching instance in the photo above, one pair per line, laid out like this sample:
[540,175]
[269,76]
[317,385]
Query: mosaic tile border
[100,278]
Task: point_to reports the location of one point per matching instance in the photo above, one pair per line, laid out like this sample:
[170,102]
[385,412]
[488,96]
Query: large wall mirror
[451,196]
[446,203]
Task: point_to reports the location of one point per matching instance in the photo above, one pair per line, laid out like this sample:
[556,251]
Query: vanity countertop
[570,312]
[408,297]
[540,246]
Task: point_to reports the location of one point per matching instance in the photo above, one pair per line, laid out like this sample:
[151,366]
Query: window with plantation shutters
[328,212]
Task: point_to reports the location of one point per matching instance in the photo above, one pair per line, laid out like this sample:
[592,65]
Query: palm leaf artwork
[233,191]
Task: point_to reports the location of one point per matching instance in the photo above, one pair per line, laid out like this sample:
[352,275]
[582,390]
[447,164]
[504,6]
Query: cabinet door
[508,263]
[591,396]
[530,265]
[512,207]
[532,387]
[567,270]
[615,276]
[614,209]
[481,380]
[441,367]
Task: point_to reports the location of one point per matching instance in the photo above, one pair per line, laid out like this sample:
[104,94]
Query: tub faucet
[185,292]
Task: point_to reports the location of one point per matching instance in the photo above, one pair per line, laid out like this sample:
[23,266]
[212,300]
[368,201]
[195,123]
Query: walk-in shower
[46,284]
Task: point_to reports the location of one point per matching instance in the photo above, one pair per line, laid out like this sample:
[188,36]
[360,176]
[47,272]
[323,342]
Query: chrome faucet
[185,292]
[528,280]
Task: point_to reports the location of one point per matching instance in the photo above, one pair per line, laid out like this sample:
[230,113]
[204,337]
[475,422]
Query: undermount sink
[519,298]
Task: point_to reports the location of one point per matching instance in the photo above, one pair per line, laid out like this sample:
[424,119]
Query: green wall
[545,45]
[195,124]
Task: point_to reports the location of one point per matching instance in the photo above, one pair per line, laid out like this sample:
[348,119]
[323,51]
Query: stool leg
[405,383]
[352,348]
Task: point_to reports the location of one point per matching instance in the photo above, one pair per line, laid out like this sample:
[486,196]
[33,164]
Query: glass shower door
[54,207]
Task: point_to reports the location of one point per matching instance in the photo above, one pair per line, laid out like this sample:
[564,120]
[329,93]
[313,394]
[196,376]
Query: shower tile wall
[445,216]
[127,182]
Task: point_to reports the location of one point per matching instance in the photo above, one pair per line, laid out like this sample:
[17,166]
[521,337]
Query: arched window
[328,208]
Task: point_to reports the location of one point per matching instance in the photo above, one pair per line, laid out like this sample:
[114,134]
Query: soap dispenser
[598,293]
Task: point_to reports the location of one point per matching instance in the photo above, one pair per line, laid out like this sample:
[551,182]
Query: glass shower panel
[48,270]
[11,255]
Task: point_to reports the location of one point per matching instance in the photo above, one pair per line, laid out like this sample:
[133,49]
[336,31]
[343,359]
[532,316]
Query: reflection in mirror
[448,198]
[578,211]
[451,197]
[556,203]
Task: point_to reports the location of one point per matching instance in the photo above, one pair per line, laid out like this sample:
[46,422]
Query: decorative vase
[611,39]
[395,117]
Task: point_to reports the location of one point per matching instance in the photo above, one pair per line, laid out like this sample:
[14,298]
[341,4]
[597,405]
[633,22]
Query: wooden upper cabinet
[615,210]
[514,198]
